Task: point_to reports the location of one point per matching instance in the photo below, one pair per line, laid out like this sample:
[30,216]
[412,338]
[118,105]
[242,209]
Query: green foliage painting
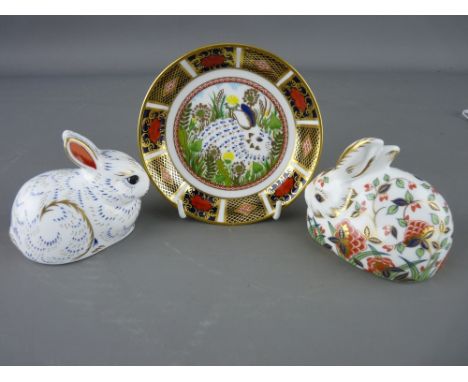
[230,136]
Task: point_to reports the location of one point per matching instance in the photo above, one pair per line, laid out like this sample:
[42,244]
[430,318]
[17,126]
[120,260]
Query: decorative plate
[229,130]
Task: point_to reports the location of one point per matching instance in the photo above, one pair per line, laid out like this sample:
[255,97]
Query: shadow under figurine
[63,216]
[378,218]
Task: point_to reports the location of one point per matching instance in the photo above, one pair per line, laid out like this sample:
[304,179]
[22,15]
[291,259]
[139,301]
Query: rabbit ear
[241,119]
[359,157]
[385,157]
[81,150]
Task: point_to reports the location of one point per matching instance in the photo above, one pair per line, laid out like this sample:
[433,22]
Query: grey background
[183,292]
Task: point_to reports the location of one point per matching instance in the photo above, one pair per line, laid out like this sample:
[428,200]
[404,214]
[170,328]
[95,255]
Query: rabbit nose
[133,179]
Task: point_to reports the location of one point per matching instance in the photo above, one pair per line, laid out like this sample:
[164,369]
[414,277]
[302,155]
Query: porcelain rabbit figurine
[378,218]
[67,215]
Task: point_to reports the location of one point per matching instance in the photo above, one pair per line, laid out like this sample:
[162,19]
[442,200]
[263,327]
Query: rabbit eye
[319,198]
[259,139]
[133,179]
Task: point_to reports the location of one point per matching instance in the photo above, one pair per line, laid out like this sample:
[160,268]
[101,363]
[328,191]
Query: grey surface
[90,45]
[183,292]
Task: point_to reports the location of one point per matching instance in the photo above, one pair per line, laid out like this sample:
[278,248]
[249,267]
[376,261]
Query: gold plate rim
[296,73]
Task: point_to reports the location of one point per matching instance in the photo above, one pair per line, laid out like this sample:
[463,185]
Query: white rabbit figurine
[378,218]
[67,215]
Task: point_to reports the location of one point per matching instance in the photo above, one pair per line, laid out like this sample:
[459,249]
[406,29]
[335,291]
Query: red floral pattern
[383,197]
[415,206]
[285,188]
[416,230]
[213,60]
[299,99]
[405,235]
[349,240]
[379,264]
[200,203]
[154,130]
[318,231]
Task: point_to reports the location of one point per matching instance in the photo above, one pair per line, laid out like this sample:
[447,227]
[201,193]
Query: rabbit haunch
[252,145]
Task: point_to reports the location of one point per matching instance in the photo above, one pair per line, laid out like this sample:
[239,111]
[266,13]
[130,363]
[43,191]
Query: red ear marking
[81,154]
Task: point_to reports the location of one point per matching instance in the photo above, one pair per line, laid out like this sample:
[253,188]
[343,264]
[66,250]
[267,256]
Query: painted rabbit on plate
[378,218]
[63,216]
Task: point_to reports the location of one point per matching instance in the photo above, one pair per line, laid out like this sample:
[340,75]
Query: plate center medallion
[230,133]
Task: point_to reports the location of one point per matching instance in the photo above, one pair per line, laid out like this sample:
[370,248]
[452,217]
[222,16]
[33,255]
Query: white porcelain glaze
[67,215]
[378,218]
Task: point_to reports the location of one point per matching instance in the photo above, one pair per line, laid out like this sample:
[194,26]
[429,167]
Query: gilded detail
[391,223]
[229,134]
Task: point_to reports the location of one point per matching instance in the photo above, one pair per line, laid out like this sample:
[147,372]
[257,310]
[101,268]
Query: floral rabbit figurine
[378,218]
[63,216]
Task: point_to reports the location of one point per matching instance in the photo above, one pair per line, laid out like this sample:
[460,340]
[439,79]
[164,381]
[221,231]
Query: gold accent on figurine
[76,207]
[352,148]
[348,202]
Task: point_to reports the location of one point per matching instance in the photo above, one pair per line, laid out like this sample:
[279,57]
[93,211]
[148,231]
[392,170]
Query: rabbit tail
[61,233]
